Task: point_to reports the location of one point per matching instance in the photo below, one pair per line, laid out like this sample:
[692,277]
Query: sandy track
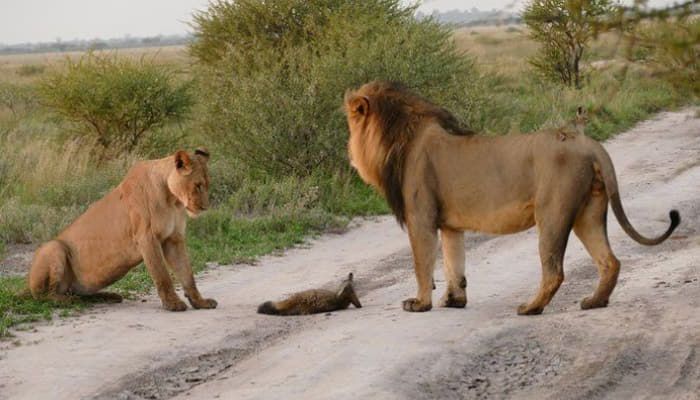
[646,344]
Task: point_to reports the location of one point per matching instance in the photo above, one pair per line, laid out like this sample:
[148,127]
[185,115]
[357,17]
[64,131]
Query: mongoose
[314,301]
[578,124]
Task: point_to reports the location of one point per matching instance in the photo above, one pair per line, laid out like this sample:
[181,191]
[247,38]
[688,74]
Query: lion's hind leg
[552,244]
[590,227]
[50,275]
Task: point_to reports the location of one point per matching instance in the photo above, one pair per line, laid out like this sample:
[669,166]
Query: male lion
[142,219]
[437,175]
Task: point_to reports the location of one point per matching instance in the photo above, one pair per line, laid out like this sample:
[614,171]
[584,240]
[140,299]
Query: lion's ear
[183,163]
[359,106]
[202,153]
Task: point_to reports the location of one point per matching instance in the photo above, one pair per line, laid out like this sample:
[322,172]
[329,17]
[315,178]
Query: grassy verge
[17,307]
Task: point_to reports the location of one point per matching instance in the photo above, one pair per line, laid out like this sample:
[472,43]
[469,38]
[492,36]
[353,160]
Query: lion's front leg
[176,255]
[153,257]
[453,254]
[424,246]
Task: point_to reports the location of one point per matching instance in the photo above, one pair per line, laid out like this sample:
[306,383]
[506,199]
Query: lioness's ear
[359,105]
[203,153]
[183,163]
[350,276]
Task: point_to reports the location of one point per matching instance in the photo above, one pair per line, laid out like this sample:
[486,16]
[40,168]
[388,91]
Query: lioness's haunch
[314,301]
[142,219]
[437,175]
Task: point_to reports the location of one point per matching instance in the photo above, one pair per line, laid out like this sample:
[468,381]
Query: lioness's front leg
[152,253]
[176,255]
[453,254]
[424,246]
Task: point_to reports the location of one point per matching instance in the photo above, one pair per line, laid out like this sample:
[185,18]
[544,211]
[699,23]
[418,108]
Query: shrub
[563,28]
[31,70]
[114,100]
[673,47]
[274,74]
[17,98]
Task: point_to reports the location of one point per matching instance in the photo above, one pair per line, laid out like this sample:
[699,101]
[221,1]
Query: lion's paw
[452,301]
[414,305]
[590,302]
[206,304]
[175,305]
[525,309]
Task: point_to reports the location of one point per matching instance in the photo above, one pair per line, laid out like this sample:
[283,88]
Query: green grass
[18,307]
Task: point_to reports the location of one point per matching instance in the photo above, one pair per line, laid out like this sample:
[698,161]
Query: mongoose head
[346,290]
[581,120]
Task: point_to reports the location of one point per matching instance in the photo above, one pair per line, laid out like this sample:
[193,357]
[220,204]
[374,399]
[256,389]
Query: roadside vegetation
[265,99]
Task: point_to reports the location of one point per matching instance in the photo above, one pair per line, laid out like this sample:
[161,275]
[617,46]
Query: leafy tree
[667,38]
[563,28]
[115,100]
[274,74]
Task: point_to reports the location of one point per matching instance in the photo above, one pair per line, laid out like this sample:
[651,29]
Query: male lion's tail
[269,308]
[608,173]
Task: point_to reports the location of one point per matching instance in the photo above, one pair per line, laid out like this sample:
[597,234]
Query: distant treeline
[94,44]
[474,17]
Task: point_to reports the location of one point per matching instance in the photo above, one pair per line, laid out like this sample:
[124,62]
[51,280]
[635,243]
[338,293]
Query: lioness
[437,175]
[142,219]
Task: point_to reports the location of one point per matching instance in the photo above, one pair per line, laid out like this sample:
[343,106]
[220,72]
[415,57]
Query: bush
[116,101]
[274,74]
[31,70]
[17,98]
[563,28]
[673,48]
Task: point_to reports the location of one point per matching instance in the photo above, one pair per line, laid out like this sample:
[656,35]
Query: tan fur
[576,127]
[314,301]
[449,180]
[142,219]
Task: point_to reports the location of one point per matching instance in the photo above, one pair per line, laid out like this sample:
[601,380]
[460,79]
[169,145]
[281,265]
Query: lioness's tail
[608,173]
[268,307]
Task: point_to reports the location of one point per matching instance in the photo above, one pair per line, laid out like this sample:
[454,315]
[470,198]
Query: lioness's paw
[414,305]
[525,309]
[175,305]
[450,300]
[205,303]
[590,302]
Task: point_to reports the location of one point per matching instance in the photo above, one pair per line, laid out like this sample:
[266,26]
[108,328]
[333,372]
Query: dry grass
[506,49]
[11,66]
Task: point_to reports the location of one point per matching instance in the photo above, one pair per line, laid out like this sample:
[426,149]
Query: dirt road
[646,344]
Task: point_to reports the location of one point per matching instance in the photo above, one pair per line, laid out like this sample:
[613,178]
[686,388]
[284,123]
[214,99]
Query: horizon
[66,21]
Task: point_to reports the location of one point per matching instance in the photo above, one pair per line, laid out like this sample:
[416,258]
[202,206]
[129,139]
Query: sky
[48,20]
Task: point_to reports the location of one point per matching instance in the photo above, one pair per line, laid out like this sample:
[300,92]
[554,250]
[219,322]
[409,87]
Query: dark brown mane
[399,114]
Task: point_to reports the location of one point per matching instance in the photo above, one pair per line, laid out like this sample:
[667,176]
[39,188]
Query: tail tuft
[675,219]
[268,307]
